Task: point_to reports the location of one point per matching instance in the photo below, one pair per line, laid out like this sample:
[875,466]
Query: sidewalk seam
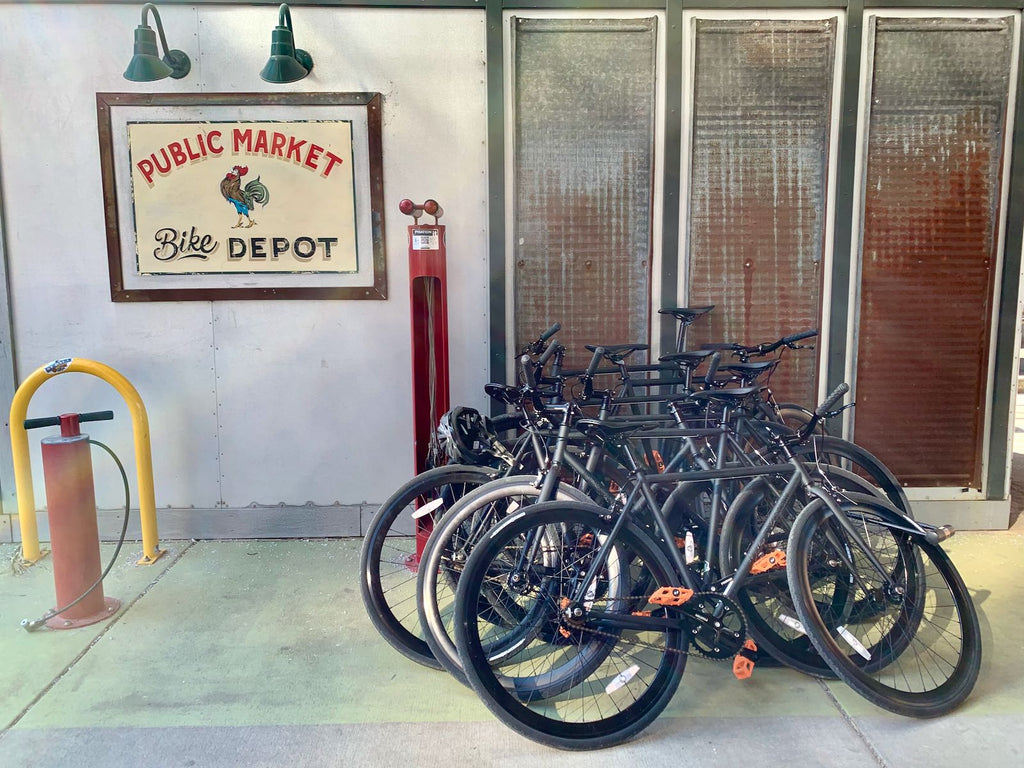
[70,665]
[848,719]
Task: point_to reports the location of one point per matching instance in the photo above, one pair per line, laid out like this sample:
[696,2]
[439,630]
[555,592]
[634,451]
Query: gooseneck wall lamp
[286,63]
[146,64]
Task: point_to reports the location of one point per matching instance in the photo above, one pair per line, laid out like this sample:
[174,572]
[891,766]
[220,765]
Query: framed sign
[243,196]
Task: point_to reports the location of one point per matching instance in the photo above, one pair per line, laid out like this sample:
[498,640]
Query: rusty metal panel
[583,168]
[935,138]
[762,112]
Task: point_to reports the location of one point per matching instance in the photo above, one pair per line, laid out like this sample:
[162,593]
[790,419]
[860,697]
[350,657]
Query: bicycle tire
[912,646]
[450,545]
[638,670]
[388,561]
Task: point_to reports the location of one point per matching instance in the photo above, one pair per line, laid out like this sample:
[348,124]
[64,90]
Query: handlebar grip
[833,398]
[800,336]
[551,331]
[595,361]
[528,371]
[709,377]
[548,353]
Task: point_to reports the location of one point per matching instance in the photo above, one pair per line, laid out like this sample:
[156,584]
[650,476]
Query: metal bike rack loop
[23,468]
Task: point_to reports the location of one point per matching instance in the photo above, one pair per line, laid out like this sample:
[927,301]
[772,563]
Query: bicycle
[624,646]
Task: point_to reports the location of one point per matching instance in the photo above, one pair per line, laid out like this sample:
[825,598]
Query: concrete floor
[232,653]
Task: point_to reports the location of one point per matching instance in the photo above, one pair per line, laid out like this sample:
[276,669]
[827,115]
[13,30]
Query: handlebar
[798,337]
[528,371]
[595,361]
[54,421]
[555,328]
[760,350]
[834,397]
[548,353]
[538,346]
[709,377]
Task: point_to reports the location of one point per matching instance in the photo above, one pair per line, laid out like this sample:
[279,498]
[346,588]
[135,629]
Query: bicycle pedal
[743,664]
[776,559]
[670,596]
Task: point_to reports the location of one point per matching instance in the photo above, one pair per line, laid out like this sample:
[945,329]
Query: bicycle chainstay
[696,612]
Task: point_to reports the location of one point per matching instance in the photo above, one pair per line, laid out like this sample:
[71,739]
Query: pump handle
[54,421]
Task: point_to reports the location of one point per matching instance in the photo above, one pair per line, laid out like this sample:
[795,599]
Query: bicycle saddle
[504,394]
[689,359]
[729,396]
[686,314]
[750,370]
[618,352]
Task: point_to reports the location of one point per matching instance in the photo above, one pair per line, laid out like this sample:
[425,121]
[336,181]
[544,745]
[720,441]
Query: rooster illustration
[243,198]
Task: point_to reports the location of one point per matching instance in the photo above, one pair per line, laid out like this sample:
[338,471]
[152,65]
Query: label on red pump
[425,240]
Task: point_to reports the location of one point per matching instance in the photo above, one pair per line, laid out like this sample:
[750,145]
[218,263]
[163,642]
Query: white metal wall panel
[250,402]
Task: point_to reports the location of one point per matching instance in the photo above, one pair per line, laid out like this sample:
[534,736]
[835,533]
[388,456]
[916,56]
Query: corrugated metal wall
[761,118]
[584,111]
[932,193]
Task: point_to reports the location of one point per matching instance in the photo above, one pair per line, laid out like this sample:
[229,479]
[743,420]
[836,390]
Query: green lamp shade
[146,64]
[286,64]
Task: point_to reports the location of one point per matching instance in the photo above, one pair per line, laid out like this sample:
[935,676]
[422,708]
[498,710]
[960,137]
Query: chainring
[718,629]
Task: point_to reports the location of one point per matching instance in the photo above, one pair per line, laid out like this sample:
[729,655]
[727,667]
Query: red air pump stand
[428,296]
[74,533]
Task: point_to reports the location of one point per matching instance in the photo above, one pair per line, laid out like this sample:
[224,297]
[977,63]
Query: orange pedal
[743,664]
[659,463]
[671,596]
[776,559]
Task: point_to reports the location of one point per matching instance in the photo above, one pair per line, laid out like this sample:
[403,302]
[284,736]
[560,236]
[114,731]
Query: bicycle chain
[695,649]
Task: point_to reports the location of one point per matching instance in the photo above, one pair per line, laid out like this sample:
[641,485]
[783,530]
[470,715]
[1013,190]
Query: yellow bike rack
[30,551]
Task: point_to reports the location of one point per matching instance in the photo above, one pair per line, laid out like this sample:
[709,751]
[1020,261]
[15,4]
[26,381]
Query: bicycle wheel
[451,544]
[392,547]
[907,638]
[584,673]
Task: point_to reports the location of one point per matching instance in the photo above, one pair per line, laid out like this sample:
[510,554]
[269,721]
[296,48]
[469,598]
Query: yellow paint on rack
[22,466]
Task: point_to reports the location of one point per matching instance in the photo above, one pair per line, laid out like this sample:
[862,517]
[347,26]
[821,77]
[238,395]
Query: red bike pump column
[74,534]
[428,296]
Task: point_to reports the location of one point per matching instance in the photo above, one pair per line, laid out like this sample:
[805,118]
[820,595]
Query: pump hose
[31,626]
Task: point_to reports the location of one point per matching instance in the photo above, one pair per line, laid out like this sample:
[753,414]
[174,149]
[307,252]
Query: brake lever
[833,414]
